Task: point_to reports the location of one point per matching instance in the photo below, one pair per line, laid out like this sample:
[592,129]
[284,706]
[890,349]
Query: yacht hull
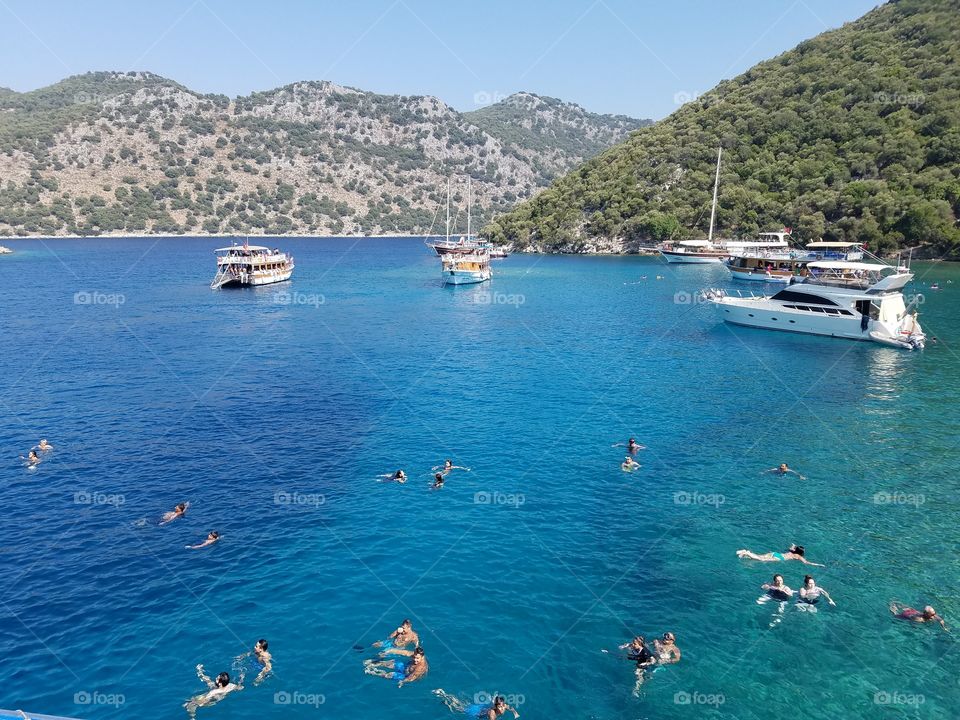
[465,277]
[760,276]
[691,258]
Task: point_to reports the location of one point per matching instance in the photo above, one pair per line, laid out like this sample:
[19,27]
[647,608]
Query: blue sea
[272,411]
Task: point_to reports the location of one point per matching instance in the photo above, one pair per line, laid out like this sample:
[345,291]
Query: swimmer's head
[398,474]
[223,679]
[214,535]
[929,613]
[180,507]
[418,654]
[638,640]
[406,624]
[261,644]
[783,467]
[499,702]
[778,579]
[438,477]
[808,581]
[669,637]
[448,463]
[797,550]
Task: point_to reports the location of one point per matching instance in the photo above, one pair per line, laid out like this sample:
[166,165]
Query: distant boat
[780,265]
[469,262]
[251,265]
[5,250]
[699,251]
[500,251]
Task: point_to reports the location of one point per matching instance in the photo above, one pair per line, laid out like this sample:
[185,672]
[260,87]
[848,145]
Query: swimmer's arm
[204,679]
[827,596]
[802,477]
[807,562]
[398,651]
[944,625]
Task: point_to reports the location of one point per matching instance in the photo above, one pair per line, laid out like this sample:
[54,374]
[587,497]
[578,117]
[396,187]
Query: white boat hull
[260,279]
[691,258]
[465,277]
[759,276]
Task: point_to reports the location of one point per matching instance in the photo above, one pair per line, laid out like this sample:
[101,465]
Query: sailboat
[470,265]
[699,251]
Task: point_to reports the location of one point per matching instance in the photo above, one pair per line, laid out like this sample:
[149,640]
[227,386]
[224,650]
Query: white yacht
[251,265]
[5,250]
[466,262]
[838,298]
[780,265]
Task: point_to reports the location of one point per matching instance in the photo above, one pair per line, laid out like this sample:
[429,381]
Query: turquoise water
[273,419]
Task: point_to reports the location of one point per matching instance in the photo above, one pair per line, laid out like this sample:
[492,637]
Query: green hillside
[853,135]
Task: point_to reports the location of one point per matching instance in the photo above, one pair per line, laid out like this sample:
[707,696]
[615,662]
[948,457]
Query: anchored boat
[838,298]
[251,265]
[467,261]
[781,265]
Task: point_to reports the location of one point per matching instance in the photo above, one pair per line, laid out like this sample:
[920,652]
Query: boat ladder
[223,277]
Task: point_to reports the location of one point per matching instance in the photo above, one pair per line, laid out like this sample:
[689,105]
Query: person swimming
[212,537]
[44,446]
[179,511]
[810,593]
[777,589]
[639,653]
[399,476]
[401,637]
[783,469]
[796,552]
[264,658]
[448,466]
[218,689]
[631,445]
[904,612]
[32,459]
[497,707]
[404,671]
[437,481]
[629,464]
[667,651]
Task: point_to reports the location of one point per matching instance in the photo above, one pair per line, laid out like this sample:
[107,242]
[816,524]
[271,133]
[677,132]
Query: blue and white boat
[469,264]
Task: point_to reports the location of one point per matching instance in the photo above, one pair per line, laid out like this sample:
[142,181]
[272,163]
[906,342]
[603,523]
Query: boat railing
[253,259]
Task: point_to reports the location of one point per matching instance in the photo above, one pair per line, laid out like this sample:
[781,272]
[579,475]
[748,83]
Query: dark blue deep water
[272,415]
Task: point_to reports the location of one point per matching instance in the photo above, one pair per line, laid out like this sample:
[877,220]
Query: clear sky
[634,57]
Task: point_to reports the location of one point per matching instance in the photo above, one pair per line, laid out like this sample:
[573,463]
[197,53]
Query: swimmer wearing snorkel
[448,466]
[404,671]
[219,689]
[810,592]
[179,511]
[629,464]
[783,469]
[904,612]
[212,537]
[399,476]
[401,637]
[667,651]
[796,552]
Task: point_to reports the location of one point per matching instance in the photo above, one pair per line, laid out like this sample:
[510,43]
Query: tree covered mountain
[134,152]
[852,135]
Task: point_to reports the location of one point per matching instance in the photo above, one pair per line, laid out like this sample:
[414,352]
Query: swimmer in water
[777,589]
[448,466]
[404,671]
[639,653]
[810,592]
[179,511]
[263,657]
[400,638]
[629,464]
[212,537]
[631,445]
[44,446]
[437,482]
[219,689]
[796,552]
[32,459]
[783,469]
[399,476]
[481,711]
[667,651]
[903,612]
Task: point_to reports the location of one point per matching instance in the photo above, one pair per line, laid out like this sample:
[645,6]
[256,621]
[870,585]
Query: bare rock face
[122,153]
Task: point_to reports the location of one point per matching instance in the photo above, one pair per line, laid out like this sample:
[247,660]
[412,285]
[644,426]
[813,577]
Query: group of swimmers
[179,510]
[440,473]
[34,456]
[629,464]
[665,652]
[223,685]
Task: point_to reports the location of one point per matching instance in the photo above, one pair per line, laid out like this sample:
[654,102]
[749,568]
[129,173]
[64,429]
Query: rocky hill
[852,135]
[115,153]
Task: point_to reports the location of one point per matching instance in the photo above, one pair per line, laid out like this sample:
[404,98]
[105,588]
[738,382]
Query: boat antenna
[716,184]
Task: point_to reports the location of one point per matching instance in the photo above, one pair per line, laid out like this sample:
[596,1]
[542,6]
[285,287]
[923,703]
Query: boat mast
[468,207]
[448,210]
[716,184]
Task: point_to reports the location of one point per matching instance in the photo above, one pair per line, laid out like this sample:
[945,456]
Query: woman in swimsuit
[437,482]
[629,464]
[179,511]
[448,466]
[211,539]
[777,589]
[810,592]
[638,652]
[796,552]
[399,476]
[783,469]
[32,459]
[903,612]
[404,671]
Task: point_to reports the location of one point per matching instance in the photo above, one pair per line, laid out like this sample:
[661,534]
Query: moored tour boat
[467,261]
[251,265]
[779,266]
[837,298]
[5,250]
